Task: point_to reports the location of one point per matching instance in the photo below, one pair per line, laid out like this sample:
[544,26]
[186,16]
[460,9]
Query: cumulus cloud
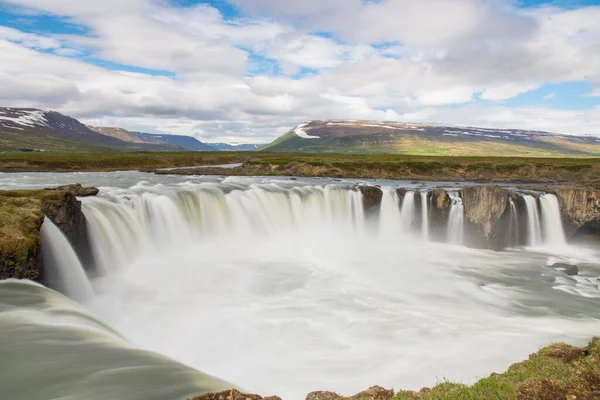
[245,78]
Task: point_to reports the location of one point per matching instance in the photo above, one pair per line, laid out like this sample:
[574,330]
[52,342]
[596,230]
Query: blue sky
[248,70]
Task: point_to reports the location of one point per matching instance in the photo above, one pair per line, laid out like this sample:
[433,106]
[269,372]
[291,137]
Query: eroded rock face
[67,215]
[78,190]
[580,210]
[486,211]
[372,196]
[438,213]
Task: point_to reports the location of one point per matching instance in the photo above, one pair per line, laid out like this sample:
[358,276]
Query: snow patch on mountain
[301,133]
[27,118]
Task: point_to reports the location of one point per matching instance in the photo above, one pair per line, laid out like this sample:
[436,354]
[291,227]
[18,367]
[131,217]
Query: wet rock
[372,196]
[485,207]
[323,395]
[580,209]
[373,393]
[568,269]
[232,394]
[78,190]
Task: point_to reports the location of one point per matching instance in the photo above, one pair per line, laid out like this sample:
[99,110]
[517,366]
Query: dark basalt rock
[568,269]
[78,190]
[372,196]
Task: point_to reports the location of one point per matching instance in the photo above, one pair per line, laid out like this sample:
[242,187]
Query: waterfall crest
[455,232]
[534,227]
[62,269]
[554,234]
[408,212]
[513,224]
[424,216]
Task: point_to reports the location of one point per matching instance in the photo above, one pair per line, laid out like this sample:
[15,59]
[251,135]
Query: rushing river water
[281,287]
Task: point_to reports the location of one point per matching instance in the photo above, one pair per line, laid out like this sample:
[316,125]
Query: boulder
[373,393]
[568,269]
[232,394]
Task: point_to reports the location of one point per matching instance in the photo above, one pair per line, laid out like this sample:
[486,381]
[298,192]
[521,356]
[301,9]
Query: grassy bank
[574,171]
[556,372]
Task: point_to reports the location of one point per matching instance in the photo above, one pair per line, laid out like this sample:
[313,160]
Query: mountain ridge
[388,137]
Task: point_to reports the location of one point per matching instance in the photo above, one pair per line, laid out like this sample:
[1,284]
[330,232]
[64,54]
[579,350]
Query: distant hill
[29,129]
[366,137]
[184,142]
[118,133]
[235,147]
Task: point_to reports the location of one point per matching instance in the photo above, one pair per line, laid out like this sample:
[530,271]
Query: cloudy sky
[249,70]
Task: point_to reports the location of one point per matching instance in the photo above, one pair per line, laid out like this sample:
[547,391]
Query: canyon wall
[22,214]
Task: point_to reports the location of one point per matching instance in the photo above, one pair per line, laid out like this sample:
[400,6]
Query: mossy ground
[557,372]
[388,166]
[19,226]
[21,215]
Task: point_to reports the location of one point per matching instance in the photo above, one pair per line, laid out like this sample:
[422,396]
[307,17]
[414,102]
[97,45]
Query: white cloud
[391,59]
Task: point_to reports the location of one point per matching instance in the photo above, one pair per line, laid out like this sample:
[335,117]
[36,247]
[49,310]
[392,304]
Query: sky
[247,71]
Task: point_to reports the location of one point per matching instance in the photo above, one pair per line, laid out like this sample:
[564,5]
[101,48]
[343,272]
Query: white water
[280,289]
[513,230]
[159,220]
[408,212]
[554,234]
[390,219]
[534,227]
[424,215]
[455,233]
[61,265]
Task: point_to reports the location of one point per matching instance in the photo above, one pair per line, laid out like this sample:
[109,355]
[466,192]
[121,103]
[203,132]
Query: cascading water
[553,231]
[408,212]
[534,228]
[513,224]
[62,269]
[424,215]
[455,232]
[145,221]
[390,219]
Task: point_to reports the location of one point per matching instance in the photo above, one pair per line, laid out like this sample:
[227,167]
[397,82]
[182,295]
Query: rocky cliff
[488,212]
[21,217]
[580,210]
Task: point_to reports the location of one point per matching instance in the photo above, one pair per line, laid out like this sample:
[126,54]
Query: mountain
[365,137]
[30,129]
[185,142]
[235,147]
[118,133]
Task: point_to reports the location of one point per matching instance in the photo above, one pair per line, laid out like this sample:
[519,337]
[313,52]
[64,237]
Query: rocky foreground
[557,372]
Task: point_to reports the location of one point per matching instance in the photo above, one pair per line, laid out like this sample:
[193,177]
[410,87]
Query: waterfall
[122,227]
[455,233]
[390,218]
[534,229]
[424,216]
[553,231]
[62,268]
[408,212]
[513,224]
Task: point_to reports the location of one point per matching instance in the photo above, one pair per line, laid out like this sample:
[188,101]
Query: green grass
[556,372]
